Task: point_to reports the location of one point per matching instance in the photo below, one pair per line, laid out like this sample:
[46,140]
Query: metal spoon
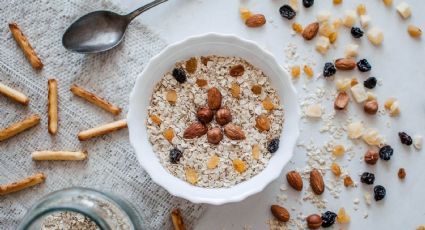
[100,30]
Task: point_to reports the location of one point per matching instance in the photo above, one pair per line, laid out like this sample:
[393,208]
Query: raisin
[363,65]
[287,12]
[175,155]
[273,145]
[367,178]
[308,3]
[386,152]
[379,192]
[179,75]
[328,219]
[356,32]
[405,138]
[329,69]
[370,83]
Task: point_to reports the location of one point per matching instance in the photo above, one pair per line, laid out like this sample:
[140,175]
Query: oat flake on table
[197,152]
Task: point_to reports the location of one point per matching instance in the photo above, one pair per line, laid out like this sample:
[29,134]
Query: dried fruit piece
[268,104]
[168,134]
[280,213]
[294,180]
[213,162]
[338,150]
[414,31]
[287,12]
[379,192]
[255,151]
[191,175]
[389,102]
[401,173]
[214,136]
[179,75]
[235,90]
[239,165]
[175,155]
[195,130]
[256,20]
[343,217]
[350,18]
[361,9]
[332,37]
[273,145]
[308,3]
[363,65]
[328,219]
[343,84]
[223,116]
[367,178]
[256,89]
[295,71]
[336,170]
[371,157]
[329,69]
[155,119]
[336,2]
[355,130]
[262,123]
[205,60]
[375,36]
[386,152]
[354,81]
[314,221]
[405,138]
[316,182]
[371,107]
[336,24]
[314,110]
[420,227]
[201,82]
[236,71]
[205,115]
[245,13]
[297,27]
[341,101]
[372,137]
[388,2]
[322,44]
[308,71]
[370,83]
[171,96]
[404,10]
[310,31]
[214,98]
[348,181]
[356,32]
[191,65]
[234,132]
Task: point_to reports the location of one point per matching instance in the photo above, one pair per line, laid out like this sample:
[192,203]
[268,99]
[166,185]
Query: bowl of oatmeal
[213,119]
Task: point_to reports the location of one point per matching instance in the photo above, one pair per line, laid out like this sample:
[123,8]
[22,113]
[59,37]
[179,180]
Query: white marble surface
[398,62]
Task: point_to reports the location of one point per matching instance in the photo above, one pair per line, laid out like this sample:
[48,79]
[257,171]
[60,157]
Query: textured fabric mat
[112,165]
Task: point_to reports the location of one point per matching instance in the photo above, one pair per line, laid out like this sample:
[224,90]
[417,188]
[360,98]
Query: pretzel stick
[92,98]
[103,129]
[14,94]
[25,46]
[19,127]
[177,219]
[58,156]
[22,184]
[52,106]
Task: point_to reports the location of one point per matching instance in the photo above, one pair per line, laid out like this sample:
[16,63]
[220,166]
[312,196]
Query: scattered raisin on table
[356,32]
[367,178]
[273,145]
[386,152]
[308,3]
[287,12]
[401,173]
[405,138]
[329,69]
[179,75]
[370,83]
[363,65]
[175,155]
[328,219]
[379,192]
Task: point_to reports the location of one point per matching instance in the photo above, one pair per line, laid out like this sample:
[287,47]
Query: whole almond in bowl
[214,98]
[195,130]
[280,213]
[310,31]
[345,64]
[205,115]
[234,132]
[214,135]
[294,180]
[316,182]
[223,116]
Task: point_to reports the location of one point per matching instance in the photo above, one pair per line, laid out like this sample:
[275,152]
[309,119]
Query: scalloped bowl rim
[213,44]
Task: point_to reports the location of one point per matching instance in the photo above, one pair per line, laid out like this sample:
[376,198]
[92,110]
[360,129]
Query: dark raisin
[308,3]
[379,192]
[386,152]
[367,178]
[370,83]
[287,12]
[329,69]
[175,155]
[363,65]
[179,75]
[273,145]
[356,32]
[404,138]
[328,219]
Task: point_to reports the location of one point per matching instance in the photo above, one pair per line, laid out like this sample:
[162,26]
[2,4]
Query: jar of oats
[81,208]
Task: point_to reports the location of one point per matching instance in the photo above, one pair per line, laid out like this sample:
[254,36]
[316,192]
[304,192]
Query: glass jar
[102,210]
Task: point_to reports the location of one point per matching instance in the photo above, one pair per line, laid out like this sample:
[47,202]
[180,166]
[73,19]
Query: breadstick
[52,106]
[19,127]
[25,46]
[177,219]
[92,98]
[14,94]
[103,129]
[58,156]
[22,184]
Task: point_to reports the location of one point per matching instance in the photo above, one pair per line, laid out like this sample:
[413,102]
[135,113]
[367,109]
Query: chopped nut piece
[201,82]
[297,27]
[168,134]
[322,44]
[336,170]
[350,18]
[389,102]
[365,20]
[417,142]
[295,72]
[341,101]
[337,23]
[323,16]
[325,30]
[338,150]
[359,93]
[372,137]
[361,9]
[351,50]
[235,90]
[343,217]
[308,71]
[191,175]
[213,162]
[245,13]
[355,130]
[414,31]
[371,107]
[371,96]
[314,110]
[239,165]
[404,10]
[171,96]
[155,119]
[368,198]
[395,109]
[262,123]
[375,36]
[401,173]
[256,152]
[343,84]
[268,104]
[256,89]
[348,181]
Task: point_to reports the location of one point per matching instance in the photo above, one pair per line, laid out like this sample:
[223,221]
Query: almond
[223,116]
[237,71]
[345,63]
[341,101]
[316,182]
[214,135]
[214,98]
[371,107]
[256,20]
[280,213]
[195,130]
[314,221]
[234,132]
[205,115]
[294,180]
[310,31]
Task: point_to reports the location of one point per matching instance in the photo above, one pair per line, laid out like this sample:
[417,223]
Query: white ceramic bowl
[223,45]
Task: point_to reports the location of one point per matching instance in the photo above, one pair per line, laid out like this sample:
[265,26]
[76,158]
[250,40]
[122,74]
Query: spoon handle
[142,9]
